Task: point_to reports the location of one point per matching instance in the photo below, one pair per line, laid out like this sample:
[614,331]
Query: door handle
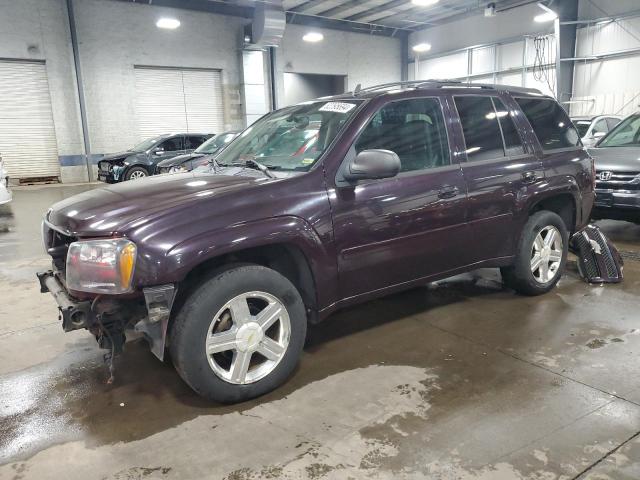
[529,177]
[448,192]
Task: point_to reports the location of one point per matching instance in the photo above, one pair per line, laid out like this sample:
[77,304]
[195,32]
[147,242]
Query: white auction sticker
[338,107]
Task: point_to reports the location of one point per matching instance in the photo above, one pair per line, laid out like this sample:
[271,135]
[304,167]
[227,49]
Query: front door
[392,231]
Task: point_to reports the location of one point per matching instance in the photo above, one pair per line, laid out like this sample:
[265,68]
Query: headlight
[101,266]
[178,169]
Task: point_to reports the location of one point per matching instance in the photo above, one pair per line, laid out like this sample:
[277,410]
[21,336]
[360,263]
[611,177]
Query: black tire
[133,171]
[519,275]
[191,328]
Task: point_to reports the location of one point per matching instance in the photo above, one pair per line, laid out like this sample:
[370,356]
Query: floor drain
[635,256]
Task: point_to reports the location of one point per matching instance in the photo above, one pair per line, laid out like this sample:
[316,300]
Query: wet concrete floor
[456,380]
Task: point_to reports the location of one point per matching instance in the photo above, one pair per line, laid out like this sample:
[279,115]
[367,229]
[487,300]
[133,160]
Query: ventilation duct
[269,21]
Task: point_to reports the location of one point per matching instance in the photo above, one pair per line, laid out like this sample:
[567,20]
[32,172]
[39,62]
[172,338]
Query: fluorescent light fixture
[313,37]
[169,23]
[424,3]
[422,47]
[548,15]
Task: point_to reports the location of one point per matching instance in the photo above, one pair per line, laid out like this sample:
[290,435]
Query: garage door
[178,100]
[27,135]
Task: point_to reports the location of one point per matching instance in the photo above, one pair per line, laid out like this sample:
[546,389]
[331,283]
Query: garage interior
[460,378]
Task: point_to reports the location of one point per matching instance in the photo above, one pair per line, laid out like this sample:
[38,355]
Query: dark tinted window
[550,123]
[582,126]
[172,144]
[413,129]
[512,140]
[193,141]
[480,127]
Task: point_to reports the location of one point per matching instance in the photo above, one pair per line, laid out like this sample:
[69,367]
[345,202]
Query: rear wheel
[240,334]
[541,257]
[136,173]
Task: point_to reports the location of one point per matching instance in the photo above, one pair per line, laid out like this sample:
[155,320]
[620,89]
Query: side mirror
[158,151]
[372,165]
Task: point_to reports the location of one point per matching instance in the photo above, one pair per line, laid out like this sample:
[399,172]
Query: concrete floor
[457,380]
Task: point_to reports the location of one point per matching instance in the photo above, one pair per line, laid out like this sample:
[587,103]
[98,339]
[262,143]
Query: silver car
[592,129]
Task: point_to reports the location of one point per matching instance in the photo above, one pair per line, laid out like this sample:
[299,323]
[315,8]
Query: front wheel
[541,256]
[239,334]
[136,173]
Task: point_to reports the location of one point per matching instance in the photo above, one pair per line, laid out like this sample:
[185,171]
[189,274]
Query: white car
[5,193]
[592,129]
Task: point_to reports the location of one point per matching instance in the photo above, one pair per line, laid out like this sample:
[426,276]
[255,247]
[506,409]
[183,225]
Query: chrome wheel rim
[248,338]
[546,254]
[137,175]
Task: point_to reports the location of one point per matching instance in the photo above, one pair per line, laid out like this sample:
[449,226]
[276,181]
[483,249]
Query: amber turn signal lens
[127,262]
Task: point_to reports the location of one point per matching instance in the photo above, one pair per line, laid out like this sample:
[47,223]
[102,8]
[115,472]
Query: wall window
[480,127]
[550,123]
[414,129]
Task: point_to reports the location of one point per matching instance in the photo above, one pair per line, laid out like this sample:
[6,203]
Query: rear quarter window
[550,123]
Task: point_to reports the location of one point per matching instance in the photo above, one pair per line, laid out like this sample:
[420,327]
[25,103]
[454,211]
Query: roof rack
[435,83]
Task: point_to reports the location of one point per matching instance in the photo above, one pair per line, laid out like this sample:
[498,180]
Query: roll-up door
[27,135]
[171,100]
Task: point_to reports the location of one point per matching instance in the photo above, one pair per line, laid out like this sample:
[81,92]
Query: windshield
[292,138]
[147,144]
[625,134]
[582,126]
[216,143]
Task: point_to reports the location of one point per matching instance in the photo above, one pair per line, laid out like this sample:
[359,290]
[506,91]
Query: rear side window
[550,123]
[481,129]
[414,129]
[193,141]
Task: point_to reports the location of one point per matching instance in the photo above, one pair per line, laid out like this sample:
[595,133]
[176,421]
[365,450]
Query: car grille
[617,180]
[56,243]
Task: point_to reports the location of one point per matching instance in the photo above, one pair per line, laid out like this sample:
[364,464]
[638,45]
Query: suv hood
[115,208]
[180,159]
[617,159]
[119,156]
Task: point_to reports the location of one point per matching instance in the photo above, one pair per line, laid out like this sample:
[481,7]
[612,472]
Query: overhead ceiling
[383,17]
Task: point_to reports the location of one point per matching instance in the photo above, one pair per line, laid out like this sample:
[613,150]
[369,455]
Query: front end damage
[109,319]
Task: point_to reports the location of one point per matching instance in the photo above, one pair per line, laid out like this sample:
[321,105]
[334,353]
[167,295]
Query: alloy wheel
[137,175]
[248,338]
[546,254]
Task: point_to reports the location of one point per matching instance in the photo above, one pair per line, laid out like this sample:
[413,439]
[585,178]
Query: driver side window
[172,144]
[414,129]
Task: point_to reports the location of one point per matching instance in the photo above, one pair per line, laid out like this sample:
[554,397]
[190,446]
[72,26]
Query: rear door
[395,230]
[499,167]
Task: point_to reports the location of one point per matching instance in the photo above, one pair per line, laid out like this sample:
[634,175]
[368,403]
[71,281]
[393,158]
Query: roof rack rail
[443,83]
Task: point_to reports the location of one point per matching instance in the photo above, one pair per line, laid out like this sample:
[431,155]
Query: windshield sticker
[307,161]
[338,107]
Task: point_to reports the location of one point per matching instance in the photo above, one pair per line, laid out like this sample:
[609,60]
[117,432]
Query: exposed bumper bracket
[75,314]
[159,301]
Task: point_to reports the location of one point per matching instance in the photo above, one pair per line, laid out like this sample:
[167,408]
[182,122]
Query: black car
[200,156]
[142,160]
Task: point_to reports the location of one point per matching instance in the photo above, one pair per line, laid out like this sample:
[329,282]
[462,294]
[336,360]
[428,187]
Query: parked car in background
[617,160]
[592,129]
[200,156]
[5,192]
[316,207]
[141,161]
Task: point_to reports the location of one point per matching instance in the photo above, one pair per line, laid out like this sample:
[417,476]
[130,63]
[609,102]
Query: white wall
[364,59]
[607,86]
[43,24]
[115,36]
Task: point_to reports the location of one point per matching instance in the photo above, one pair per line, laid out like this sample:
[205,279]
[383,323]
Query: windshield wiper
[255,165]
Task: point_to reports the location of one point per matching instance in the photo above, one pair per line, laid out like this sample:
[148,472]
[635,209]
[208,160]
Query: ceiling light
[548,15]
[424,3]
[313,37]
[170,23]
[422,47]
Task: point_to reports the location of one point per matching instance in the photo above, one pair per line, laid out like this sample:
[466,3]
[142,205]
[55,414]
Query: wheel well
[286,259]
[564,205]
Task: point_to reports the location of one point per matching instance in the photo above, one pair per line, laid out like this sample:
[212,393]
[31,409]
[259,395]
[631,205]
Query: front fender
[179,260]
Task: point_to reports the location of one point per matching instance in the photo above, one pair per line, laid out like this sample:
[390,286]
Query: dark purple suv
[315,207]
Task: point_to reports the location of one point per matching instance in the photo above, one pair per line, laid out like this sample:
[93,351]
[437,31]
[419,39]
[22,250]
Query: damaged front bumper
[108,317]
